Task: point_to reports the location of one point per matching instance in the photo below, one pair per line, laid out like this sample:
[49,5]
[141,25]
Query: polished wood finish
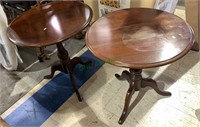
[136,82]
[49,24]
[139,38]
[3,123]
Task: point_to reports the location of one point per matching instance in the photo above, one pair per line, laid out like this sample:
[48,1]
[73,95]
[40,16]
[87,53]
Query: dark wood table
[139,38]
[50,24]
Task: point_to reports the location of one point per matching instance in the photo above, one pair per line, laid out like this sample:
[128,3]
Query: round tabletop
[50,23]
[139,38]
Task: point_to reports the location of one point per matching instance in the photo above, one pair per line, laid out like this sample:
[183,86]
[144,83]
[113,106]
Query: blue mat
[39,107]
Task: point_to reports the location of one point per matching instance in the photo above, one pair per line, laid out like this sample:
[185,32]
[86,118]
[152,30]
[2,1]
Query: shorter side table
[51,24]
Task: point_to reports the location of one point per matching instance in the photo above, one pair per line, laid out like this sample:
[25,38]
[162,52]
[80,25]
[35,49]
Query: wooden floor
[3,123]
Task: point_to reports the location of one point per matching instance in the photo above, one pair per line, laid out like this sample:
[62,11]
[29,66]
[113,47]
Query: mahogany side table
[50,24]
[139,38]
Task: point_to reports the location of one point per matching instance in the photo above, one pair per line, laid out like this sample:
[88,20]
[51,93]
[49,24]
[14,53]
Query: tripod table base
[136,82]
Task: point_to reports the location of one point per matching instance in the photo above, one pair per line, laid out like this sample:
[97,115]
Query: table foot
[127,76]
[136,82]
[58,67]
[77,60]
[129,95]
[80,99]
[68,65]
[54,68]
[42,56]
[124,76]
[151,83]
[68,68]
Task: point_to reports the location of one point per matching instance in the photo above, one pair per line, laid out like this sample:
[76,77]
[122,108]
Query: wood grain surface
[48,24]
[139,38]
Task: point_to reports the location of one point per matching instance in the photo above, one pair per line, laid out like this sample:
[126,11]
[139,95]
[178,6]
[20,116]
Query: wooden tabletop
[50,23]
[139,38]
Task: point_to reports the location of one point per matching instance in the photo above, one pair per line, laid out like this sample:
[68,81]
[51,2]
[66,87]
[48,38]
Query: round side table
[139,38]
[50,24]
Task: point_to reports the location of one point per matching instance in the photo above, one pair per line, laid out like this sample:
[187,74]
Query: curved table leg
[151,83]
[42,56]
[129,95]
[66,65]
[58,67]
[136,82]
[54,68]
[134,79]
[69,70]
[124,76]
[77,60]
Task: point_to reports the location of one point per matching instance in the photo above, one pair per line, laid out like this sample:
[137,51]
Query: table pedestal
[136,82]
[66,65]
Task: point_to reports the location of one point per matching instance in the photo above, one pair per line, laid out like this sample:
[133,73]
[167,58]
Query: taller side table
[50,24]
[139,38]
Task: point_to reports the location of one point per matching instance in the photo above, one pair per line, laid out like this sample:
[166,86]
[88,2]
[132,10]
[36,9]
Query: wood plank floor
[3,123]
